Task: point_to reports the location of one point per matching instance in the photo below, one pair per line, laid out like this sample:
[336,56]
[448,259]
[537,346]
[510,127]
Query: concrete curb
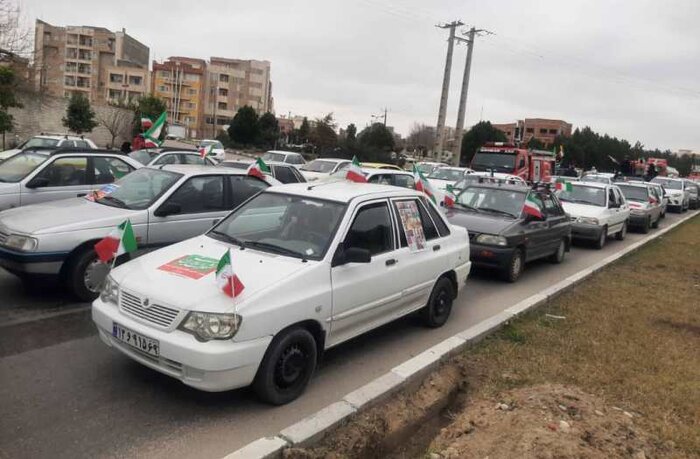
[311,429]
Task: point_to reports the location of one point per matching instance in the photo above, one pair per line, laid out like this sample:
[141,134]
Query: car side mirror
[347,255]
[169,208]
[38,182]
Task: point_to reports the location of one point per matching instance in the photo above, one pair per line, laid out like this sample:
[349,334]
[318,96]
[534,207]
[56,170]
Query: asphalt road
[64,394]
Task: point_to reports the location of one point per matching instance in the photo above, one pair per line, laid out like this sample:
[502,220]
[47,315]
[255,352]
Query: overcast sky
[627,68]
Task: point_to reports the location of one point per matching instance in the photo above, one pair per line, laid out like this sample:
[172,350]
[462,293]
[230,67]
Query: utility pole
[440,131]
[463,96]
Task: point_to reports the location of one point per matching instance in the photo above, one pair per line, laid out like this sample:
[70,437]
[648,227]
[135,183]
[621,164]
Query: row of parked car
[366,254]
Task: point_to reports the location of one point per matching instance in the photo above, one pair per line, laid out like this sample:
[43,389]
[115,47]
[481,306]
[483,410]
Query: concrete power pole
[442,112]
[463,96]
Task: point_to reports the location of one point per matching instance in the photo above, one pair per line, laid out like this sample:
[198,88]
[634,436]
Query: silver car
[39,175]
[165,205]
[644,203]
[162,156]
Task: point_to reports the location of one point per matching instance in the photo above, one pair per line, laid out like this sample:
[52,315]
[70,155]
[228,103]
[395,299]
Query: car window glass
[552,207]
[284,174]
[243,187]
[167,159]
[382,179]
[612,198]
[429,230]
[441,225]
[200,194]
[81,144]
[297,174]
[405,181]
[295,159]
[71,171]
[371,229]
[107,170]
[192,159]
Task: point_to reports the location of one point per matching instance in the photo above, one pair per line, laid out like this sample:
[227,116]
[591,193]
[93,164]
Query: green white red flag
[226,277]
[151,136]
[532,207]
[450,198]
[422,184]
[259,169]
[563,185]
[119,241]
[205,151]
[354,173]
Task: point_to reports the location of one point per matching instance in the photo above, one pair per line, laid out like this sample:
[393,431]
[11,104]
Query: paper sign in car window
[102,192]
[191,266]
[412,225]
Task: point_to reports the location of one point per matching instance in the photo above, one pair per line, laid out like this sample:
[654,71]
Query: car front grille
[162,316]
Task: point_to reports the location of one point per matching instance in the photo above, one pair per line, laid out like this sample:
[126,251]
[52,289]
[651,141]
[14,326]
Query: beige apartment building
[544,130]
[101,64]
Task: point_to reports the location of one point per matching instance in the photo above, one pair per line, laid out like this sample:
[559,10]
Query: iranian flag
[354,173]
[119,241]
[531,207]
[422,184]
[226,278]
[563,185]
[450,198]
[205,151]
[146,122]
[153,133]
[259,169]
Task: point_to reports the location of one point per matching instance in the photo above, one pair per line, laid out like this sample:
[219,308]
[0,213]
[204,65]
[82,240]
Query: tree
[268,130]
[351,133]
[377,136]
[534,144]
[149,107]
[116,120]
[80,117]
[7,100]
[323,135]
[15,38]
[420,138]
[244,127]
[476,137]
[304,131]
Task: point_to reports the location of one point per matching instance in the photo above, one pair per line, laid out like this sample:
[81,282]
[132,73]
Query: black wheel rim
[443,302]
[291,367]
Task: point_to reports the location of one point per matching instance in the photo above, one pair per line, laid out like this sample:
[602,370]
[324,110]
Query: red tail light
[652,201]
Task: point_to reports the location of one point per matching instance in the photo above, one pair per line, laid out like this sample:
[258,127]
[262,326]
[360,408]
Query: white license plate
[148,345]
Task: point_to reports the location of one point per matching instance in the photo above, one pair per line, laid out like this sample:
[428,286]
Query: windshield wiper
[502,212]
[467,206]
[277,248]
[228,238]
[117,201]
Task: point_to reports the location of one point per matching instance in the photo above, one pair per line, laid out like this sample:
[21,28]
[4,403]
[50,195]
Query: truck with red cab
[530,165]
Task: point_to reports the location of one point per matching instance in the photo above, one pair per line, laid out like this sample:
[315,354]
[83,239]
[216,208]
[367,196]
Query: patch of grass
[511,332]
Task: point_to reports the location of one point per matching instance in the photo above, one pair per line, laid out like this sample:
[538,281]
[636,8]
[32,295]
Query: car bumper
[585,231]
[213,366]
[639,219]
[462,272]
[488,256]
[32,262]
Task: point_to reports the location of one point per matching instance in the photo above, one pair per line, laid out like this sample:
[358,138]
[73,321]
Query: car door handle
[436,247]
[80,195]
[391,261]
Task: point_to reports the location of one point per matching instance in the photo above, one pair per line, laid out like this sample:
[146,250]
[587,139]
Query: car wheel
[515,266]
[602,239]
[620,236]
[287,367]
[663,214]
[558,256]
[647,225]
[439,306]
[86,274]
[656,223]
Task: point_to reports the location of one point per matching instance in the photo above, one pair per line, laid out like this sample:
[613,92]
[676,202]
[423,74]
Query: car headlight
[110,291]
[208,326]
[491,239]
[587,220]
[23,243]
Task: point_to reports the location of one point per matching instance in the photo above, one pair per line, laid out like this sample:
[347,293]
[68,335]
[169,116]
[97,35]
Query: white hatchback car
[289,157]
[320,265]
[322,168]
[677,191]
[597,211]
[50,141]
[440,177]
[217,149]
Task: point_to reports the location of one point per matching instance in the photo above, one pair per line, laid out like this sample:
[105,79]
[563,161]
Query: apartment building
[181,82]
[101,64]
[544,130]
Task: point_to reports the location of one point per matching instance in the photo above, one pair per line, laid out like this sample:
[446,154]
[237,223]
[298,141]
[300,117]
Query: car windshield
[319,165]
[634,193]
[143,156]
[270,156]
[19,166]
[581,194]
[426,169]
[492,200]
[672,184]
[236,164]
[595,179]
[446,173]
[498,161]
[285,224]
[137,190]
[35,142]
[216,144]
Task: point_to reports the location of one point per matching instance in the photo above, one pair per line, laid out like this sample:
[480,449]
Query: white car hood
[674,192]
[582,210]
[63,215]
[9,188]
[258,271]
[7,153]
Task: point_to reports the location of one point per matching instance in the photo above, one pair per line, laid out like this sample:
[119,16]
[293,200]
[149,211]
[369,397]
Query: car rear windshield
[581,194]
[143,156]
[497,161]
[319,165]
[446,173]
[235,164]
[137,190]
[216,144]
[269,156]
[595,179]
[634,193]
[492,200]
[289,225]
[672,184]
[35,142]
[19,166]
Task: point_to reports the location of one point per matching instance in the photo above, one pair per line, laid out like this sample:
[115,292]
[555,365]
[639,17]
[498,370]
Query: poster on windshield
[412,225]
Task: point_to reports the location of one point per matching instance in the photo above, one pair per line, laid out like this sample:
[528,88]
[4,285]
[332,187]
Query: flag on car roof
[354,173]
[259,169]
[226,277]
[422,184]
[153,133]
[449,199]
[146,122]
[531,207]
[119,241]
[563,185]
[205,151]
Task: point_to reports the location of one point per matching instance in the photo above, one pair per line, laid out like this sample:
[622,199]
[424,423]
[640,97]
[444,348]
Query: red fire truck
[530,165]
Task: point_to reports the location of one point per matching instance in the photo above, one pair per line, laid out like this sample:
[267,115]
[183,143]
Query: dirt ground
[609,369]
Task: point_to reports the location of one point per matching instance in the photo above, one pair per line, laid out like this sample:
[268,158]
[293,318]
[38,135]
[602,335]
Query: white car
[285,173]
[322,168]
[427,167]
[162,156]
[599,177]
[50,141]
[440,177]
[392,177]
[677,191]
[290,157]
[320,264]
[217,151]
[597,211]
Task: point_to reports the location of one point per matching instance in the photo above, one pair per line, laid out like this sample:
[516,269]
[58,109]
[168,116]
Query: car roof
[282,152]
[371,171]
[591,184]
[197,169]
[342,190]
[637,184]
[59,136]
[82,151]
[333,160]
[454,168]
[499,186]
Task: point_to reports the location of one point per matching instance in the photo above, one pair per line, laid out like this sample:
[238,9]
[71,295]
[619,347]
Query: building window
[222,121]
[115,94]
[135,80]
[85,54]
[83,82]
[134,95]
[553,131]
[162,88]
[85,69]
[543,131]
[256,85]
[71,38]
[222,106]
[116,78]
[71,53]
[530,130]
[223,92]
[192,92]
[223,78]
[71,67]
[191,77]
[85,40]
[164,73]
[69,80]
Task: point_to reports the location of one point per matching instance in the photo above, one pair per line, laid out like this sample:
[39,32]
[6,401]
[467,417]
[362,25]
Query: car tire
[663,214]
[656,223]
[439,306]
[620,236]
[602,239]
[515,267]
[286,369]
[558,256]
[77,273]
[647,226]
